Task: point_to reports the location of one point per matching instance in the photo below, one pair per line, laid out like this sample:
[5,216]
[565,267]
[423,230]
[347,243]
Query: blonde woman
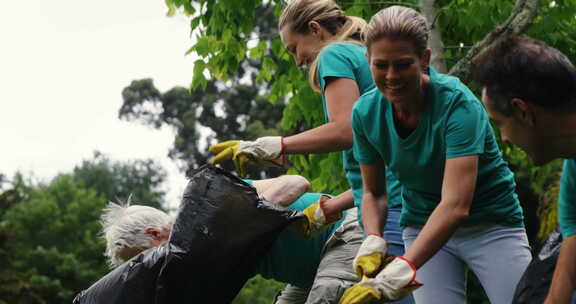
[460,208]
[320,36]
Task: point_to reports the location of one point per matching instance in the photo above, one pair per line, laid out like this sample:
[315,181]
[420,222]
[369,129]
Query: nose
[299,59]
[301,62]
[391,72]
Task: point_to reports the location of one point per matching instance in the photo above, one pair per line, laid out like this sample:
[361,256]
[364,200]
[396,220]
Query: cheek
[415,75]
[376,74]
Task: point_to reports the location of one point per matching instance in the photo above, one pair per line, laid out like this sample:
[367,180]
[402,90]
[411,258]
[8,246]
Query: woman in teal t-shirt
[319,35]
[460,209]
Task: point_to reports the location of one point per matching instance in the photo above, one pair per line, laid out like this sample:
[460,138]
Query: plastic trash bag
[534,284]
[221,231]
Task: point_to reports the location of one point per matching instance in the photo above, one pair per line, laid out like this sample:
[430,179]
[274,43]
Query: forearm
[374,213]
[330,137]
[339,203]
[440,226]
[282,190]
[564,279]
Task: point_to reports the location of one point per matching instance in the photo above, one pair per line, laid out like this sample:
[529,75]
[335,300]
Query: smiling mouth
[394,87]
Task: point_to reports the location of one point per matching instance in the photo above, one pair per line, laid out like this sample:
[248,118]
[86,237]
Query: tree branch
[435,41]
[520,19]
[389,3]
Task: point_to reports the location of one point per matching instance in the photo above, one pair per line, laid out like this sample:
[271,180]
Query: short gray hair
[123,226]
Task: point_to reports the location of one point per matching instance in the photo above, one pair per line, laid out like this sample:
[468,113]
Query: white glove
[397,279]
[315,220]
[394,282]
[264,148]
[370,256]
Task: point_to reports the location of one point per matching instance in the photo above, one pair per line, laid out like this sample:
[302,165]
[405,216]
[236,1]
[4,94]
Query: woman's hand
[266,151]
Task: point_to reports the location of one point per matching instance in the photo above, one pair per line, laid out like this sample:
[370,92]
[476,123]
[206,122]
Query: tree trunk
[435,40]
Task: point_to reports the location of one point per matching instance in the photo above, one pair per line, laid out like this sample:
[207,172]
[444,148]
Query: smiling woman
[460,208]
[319,35]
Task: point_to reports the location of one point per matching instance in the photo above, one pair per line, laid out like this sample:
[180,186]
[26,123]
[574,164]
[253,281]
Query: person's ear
[315,29]
[426,57]
[523,111]
[153,232]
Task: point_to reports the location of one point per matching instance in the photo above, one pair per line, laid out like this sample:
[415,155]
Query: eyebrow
[401,60]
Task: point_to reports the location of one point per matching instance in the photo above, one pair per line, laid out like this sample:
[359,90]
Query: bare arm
[282,190]
[336,135]
[374,200]
[564,280]
[339,203]
[457,192]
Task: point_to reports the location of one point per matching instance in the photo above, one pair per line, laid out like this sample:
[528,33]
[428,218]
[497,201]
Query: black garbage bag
[534,284]
[132,282]
[221,231]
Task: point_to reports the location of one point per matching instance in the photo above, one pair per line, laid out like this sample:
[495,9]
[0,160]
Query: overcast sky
[63,65]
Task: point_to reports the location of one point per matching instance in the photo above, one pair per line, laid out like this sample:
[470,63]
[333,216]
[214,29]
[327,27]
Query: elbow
[461,217]
[456,210]
[461,213]
[297,183]
[344,136]
[347,142]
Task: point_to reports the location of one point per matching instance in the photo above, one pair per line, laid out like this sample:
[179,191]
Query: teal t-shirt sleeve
[567,199]
[466,128]
[364,152]
[335,61]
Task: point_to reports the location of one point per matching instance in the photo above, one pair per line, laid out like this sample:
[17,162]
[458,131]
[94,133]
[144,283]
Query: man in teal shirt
[529,90]
[317,269]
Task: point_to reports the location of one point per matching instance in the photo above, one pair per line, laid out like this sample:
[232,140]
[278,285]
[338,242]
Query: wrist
[408,262]
[413,259]
[330,214]
[376,234]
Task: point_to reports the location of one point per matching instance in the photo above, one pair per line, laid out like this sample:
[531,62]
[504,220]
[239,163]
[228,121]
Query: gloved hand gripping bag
[221,231]
[535,282]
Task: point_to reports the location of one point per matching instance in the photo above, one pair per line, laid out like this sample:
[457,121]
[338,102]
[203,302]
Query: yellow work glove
[266,151]
[394,282]
[315,220]
[360,293]
[370,257]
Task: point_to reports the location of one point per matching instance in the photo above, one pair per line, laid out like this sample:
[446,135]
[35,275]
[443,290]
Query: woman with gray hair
[460,210]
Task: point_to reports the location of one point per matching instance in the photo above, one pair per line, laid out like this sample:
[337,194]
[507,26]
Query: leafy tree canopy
[50,245]
[228,32]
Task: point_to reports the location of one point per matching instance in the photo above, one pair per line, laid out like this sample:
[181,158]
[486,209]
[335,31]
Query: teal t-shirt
[454,124]
[294,259]
[567,199]
[348,60]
